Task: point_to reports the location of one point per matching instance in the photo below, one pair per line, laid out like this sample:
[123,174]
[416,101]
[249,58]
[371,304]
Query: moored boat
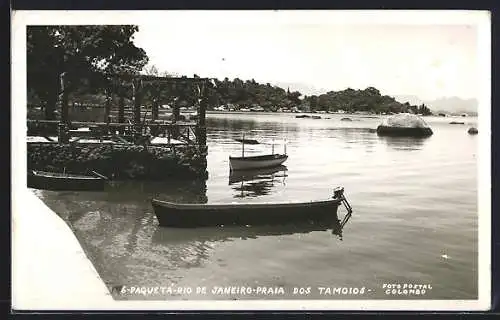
[64,181]
[182,215]
[256,162]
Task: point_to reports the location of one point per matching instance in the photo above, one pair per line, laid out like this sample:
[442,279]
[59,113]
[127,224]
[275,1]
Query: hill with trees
[245,94]
[367,100]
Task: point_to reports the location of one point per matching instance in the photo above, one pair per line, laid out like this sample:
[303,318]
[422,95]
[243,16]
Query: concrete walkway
[50,270]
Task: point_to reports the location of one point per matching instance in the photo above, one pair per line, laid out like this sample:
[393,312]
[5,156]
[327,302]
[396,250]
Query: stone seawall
[118,161]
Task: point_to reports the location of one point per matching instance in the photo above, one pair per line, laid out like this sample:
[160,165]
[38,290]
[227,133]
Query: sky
[426,60]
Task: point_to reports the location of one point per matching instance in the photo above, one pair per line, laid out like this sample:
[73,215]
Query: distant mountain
[453,105]
[445,104]
[414,100]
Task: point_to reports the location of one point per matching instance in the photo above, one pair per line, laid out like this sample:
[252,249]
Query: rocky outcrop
[404,124]
[472,130]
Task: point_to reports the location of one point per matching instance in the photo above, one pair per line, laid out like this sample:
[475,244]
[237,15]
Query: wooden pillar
[176,110]
[201,129]
[64,98]
[154,110]
[137,101]
[64,121]
[121,108]
[107,106]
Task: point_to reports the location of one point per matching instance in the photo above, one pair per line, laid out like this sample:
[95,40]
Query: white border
[20,19]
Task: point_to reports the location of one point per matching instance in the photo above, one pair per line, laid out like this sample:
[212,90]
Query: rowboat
[256,162]
[192,215]
[64,181]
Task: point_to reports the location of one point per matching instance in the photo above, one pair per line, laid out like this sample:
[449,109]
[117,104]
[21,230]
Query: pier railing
[154,132]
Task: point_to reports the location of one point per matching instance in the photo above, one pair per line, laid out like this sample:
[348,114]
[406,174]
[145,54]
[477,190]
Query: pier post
[154,110]
[107,106]
[176,114]
[121,108]
[201,130]
[63,124]
[137,89]
[176,110]
[137,101]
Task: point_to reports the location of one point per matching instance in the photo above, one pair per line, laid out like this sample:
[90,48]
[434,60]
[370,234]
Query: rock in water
[472,130]
[404,125]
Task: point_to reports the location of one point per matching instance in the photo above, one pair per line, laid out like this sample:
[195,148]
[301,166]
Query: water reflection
[254,183]
[405,143]
[230,128]
[232,125]
[176,190]
[169,236]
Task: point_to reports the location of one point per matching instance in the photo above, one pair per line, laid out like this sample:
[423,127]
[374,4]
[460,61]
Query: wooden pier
[133,125]
[128,133]
[150,146]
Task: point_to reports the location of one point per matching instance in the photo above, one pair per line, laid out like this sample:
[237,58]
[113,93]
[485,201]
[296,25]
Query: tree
[93,53]
[424,110]
[294,97]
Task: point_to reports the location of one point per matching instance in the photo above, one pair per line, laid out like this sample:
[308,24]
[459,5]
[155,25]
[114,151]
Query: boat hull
[51,181]
[204,215]
[258,162]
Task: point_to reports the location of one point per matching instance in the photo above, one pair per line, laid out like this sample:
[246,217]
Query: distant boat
[193,215]
[256,162]
[64,181]
[257,109]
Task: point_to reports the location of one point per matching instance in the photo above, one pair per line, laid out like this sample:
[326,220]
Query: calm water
[414,221]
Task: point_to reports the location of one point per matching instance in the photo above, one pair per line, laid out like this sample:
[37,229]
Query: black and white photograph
[247,160]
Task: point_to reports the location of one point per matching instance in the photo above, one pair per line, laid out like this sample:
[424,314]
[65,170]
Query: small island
[250,96]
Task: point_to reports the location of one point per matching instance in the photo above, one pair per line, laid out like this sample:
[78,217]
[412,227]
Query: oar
[100,175]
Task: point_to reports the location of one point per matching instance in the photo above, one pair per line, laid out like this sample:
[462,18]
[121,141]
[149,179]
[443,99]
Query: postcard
[251,160]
